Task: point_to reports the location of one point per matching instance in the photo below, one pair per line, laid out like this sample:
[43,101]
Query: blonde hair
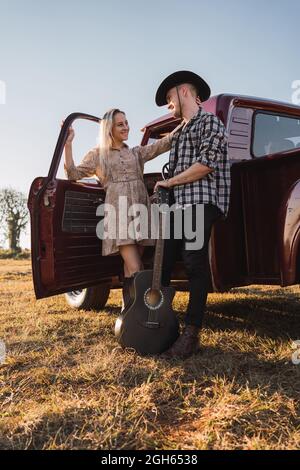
[106,139]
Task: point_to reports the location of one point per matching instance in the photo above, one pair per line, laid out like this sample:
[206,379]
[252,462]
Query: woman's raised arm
[87,167]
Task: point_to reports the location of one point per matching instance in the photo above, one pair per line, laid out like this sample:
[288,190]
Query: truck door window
[274,133]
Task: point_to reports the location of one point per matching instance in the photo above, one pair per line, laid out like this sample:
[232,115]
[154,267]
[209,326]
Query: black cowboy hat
[177,78]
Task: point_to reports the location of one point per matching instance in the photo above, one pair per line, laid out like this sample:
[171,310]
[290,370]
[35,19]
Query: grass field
[65,383]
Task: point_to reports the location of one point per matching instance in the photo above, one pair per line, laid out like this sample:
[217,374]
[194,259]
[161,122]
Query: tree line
[14,217]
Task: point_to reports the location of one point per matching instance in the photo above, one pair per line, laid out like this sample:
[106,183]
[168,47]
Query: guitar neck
[158,258]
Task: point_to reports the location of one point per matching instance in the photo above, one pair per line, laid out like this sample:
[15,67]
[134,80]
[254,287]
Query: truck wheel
[91,298]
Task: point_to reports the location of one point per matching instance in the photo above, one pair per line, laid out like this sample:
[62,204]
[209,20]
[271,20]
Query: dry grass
[66,384]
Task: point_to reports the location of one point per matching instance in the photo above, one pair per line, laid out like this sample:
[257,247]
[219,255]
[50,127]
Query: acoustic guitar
[148,324]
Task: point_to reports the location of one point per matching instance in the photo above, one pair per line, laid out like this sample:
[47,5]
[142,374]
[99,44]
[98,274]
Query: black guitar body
[148,326]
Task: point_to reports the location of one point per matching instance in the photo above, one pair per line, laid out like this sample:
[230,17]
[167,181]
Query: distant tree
[14,216]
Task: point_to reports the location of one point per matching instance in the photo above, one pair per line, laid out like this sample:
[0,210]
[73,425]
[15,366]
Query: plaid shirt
[203,140]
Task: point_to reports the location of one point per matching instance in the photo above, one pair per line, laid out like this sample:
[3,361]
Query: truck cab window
[274,134]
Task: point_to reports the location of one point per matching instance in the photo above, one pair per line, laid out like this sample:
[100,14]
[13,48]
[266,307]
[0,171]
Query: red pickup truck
[258,243]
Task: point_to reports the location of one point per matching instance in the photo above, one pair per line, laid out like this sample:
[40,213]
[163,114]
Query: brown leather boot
[185,345]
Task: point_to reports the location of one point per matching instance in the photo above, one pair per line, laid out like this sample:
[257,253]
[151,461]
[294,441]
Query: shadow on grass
[53,429]
[277,317]
[197,375]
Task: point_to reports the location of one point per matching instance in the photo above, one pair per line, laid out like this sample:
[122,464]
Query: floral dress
[124,178]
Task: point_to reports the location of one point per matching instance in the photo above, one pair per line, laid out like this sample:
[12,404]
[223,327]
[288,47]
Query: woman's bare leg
[132,259]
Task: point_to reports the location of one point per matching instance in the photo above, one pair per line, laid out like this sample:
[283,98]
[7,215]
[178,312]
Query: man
[199,174]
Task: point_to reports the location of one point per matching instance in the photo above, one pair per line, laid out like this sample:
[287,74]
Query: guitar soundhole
[153,298]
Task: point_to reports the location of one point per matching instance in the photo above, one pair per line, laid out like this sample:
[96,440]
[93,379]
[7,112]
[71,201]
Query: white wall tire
[91,298]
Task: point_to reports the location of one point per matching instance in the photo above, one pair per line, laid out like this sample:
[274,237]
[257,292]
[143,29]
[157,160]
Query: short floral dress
[125,178]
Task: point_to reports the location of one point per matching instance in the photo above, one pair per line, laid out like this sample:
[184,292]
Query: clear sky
[61,56]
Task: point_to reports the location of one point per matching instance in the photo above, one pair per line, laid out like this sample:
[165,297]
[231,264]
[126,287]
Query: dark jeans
[195,261]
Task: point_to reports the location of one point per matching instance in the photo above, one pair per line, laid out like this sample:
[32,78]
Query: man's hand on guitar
[163,184]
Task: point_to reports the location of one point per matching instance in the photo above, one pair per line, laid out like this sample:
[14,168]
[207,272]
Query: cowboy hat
[177,78]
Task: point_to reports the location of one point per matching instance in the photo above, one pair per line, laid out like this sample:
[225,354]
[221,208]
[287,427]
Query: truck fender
[289,235]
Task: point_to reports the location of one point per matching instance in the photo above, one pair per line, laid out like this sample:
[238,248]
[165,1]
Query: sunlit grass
[66,384]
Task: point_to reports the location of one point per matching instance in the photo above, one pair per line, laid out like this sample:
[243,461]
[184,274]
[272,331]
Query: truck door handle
[98,201]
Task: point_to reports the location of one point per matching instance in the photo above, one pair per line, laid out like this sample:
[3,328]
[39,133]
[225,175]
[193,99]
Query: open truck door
[65,250]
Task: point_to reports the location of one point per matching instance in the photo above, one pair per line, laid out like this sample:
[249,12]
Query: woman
[120,170]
